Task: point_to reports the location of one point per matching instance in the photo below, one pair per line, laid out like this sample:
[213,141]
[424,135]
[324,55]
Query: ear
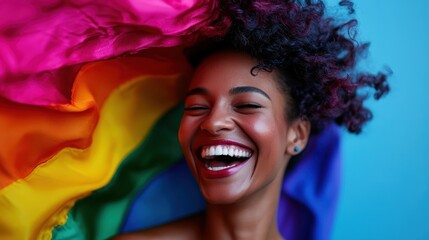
[297,136]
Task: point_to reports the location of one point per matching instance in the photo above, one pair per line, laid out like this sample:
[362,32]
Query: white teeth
[217,168]
[225,150]
[231,152]
[218,150]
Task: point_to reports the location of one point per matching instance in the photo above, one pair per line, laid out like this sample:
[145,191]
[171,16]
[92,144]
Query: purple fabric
[310,190]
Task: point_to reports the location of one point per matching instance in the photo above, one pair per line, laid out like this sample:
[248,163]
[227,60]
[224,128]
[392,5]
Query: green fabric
[69,231]
[100,215]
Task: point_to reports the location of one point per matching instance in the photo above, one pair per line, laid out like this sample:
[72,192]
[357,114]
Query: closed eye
[248,105]
[195,108]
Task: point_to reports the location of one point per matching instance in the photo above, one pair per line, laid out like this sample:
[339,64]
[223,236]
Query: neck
[254,217]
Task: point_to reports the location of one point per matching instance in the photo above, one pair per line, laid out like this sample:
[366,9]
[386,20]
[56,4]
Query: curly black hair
[315,55]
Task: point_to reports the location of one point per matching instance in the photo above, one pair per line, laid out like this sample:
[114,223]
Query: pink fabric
[43,42]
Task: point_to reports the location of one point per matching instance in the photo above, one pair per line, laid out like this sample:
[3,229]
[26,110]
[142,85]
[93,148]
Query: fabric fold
[141,90]
[43,45]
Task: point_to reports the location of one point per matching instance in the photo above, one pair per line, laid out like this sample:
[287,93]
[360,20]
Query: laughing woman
[281,73]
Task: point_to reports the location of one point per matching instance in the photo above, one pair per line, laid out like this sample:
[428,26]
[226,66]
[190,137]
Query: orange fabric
[31,135]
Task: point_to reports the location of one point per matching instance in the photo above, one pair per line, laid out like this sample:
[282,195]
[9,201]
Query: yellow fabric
[31,135]
[32,206]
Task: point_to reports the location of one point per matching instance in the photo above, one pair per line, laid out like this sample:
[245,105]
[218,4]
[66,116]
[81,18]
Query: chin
[220,196]
[227,190]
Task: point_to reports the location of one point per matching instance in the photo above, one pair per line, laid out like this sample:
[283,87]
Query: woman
[282,72]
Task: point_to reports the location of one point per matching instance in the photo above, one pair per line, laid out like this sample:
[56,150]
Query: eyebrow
[245,89]
[197,91]
[233,91]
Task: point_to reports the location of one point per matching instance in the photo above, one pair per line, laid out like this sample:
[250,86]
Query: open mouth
[221,157]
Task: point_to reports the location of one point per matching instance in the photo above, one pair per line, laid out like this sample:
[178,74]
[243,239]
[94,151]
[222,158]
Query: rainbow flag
[90,103]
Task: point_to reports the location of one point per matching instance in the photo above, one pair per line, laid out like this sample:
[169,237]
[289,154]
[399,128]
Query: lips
[222,159]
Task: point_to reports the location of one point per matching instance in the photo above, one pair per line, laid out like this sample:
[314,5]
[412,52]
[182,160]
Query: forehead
[231,69]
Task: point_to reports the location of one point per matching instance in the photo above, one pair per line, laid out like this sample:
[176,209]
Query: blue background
[385,192]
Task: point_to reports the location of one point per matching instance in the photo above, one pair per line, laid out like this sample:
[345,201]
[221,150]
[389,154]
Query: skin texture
[227,105]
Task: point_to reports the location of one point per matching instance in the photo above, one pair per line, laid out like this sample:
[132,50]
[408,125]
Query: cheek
[269,134]
[186,128]
[184,134]
[180,134]
[263,128]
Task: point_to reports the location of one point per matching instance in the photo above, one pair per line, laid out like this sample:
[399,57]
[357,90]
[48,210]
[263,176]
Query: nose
[219,120]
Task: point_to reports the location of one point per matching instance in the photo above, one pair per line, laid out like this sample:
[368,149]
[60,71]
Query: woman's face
[234,133]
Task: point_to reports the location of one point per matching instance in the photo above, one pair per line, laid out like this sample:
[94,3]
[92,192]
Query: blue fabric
[169,196]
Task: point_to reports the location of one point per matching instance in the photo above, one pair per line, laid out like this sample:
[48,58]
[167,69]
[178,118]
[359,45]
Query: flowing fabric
[89,110]
[125,116]
[44,42]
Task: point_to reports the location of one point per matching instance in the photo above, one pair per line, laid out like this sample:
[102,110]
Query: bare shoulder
[188,228]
